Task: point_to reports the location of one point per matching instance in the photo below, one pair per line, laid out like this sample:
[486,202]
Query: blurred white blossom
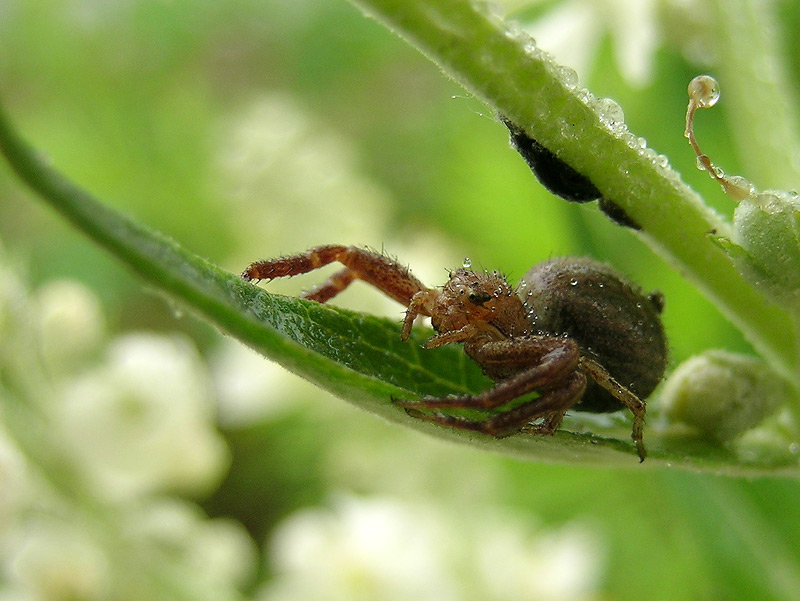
[57,560]
[135,419]
[383,550]
[217,552]
[572,31]
[144,420]
[251,388]
[561,565]
[72,324]
[370,550]
[277,160]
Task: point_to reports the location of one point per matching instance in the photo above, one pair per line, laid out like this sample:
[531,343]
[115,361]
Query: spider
[574,330]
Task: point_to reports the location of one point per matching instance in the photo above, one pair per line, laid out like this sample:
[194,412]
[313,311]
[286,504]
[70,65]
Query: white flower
[562,565]
[71,323]
[144,421]
[573,30]
[383,550]
[250,387]
[218,552]
[275,159]
[362,550]
[56,560]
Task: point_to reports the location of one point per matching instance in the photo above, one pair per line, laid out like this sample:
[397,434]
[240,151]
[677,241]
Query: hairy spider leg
[636,405]
[551,405]
[335,284]
[551,370]
[521,351]
[382,272]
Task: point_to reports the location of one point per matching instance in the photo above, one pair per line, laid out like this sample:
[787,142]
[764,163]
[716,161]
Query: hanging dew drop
[704,91]
[741,183]
[467,263]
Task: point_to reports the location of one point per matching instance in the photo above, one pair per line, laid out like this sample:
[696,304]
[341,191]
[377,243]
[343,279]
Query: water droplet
[742,184]
[610,114]
[530,47]
[569,76]
[704,90]
[573,282]
[467,263]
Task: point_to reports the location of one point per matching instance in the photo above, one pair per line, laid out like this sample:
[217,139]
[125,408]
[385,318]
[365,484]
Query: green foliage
[143,103]
[353,356]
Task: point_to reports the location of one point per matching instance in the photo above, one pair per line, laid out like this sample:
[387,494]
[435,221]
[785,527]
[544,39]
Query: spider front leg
[385,274]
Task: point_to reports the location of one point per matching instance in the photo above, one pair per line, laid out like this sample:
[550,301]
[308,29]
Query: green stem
[502,67]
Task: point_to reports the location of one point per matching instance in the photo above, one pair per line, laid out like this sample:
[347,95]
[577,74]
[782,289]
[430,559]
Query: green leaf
[357,357]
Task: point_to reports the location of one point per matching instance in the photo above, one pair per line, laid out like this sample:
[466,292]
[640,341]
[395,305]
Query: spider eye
[478,298]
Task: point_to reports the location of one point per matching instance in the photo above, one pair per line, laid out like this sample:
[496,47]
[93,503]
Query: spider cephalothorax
[574,330]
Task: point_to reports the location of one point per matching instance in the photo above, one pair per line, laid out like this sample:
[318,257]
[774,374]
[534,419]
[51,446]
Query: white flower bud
[766,232]
[723,394]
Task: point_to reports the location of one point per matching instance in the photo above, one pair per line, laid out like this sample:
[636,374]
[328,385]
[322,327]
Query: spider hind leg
[551,406]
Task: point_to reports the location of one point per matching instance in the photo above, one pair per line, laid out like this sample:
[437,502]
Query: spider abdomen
[609,317]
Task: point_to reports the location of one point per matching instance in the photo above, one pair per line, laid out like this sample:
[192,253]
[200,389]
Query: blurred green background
[245,129]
